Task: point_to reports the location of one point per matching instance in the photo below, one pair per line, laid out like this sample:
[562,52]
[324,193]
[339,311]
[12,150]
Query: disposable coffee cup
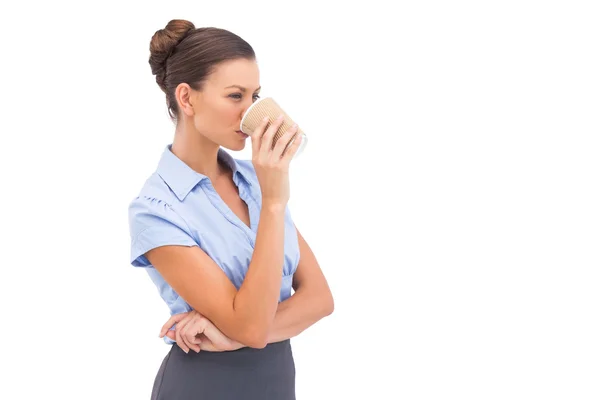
[268,107]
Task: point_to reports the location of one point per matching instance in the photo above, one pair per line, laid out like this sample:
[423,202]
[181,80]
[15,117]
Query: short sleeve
[153,223]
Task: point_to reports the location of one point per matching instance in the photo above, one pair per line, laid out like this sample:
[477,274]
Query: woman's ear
[184,95]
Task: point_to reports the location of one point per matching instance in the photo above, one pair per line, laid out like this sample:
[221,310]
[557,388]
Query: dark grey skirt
[247,373]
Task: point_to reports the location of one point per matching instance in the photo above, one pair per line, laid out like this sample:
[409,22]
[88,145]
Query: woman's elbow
[328,304]
[255,337]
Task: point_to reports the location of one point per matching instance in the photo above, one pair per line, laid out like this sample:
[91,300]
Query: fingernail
[266,118]
[280,116]
[294,126]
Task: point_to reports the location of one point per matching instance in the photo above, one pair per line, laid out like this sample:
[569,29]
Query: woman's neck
[200,154]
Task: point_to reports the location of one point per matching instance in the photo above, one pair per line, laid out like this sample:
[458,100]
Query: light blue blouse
[178,206]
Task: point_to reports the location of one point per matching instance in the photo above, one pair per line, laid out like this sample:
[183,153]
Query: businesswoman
[215,234]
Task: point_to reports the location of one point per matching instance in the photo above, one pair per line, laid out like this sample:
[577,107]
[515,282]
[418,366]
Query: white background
[450,190]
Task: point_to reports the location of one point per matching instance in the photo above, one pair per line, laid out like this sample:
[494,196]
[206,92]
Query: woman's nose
[247,104]
[245,108]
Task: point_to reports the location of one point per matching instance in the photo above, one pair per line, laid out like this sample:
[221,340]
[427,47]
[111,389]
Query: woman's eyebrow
[243,89]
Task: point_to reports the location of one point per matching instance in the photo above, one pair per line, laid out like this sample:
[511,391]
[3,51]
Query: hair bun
[164,42]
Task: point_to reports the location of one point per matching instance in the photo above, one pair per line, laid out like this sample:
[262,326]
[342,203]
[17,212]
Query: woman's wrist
[275,207]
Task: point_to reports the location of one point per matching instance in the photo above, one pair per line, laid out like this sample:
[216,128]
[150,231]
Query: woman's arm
[247,315]
[311,302]
[312,299]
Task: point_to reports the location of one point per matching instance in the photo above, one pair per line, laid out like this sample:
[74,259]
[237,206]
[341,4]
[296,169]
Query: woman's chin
[237,145]
[241,146]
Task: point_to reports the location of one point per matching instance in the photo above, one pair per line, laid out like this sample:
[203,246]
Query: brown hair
[180,53]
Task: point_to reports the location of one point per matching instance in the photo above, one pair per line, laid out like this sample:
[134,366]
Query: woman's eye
[238,96]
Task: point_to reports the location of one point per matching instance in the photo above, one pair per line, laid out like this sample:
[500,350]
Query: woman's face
[225,96]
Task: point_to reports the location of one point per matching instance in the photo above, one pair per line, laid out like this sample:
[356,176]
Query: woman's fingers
[292,149]
[190,331]
[266,144]
[283,141]
[178,329]
[256,137]
[172,321]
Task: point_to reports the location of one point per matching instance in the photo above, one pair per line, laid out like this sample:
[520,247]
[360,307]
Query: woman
[215,233]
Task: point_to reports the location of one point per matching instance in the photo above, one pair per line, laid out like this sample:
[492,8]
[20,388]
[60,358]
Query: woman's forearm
[293,316]
[297,313]
[255,304]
